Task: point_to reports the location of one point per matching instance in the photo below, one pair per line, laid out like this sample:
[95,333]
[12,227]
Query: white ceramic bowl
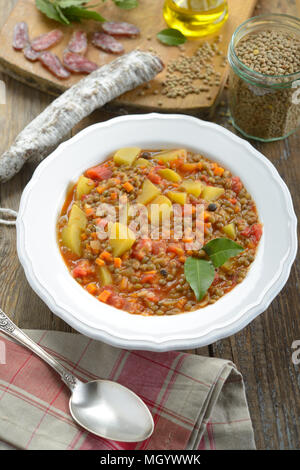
[47,274]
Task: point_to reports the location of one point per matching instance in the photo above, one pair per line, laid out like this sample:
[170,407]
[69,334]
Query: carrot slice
[89,211]
[117,262]
[128,186]
[100,189]
[189,167]
[104,296]
[91,288]
[124,283]
[106,256]
[219,171]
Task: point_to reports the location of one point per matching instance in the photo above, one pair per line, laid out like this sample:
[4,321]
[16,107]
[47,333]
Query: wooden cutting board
[148,16]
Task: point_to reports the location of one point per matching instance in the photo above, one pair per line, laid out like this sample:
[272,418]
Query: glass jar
[195,18]
[264,107]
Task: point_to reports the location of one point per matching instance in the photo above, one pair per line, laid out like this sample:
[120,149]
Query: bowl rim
[155,344]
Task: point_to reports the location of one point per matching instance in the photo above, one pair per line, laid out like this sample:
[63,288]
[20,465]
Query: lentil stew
[146,275]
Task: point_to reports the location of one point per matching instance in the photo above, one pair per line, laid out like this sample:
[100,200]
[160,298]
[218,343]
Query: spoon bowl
[110,410]
[102,407]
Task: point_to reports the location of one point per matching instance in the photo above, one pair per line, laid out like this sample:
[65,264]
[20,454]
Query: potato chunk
[104,276]
[192,187]
[142,162]
[159,209]
[71,233]
[121,238]
[179,198]
[84,186]
[149,191]
[71,238]
[126,155]
[77,217]
[211,193]
[229,230]
[170,175]
[170,155]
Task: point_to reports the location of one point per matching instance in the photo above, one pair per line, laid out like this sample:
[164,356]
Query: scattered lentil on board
[195,74]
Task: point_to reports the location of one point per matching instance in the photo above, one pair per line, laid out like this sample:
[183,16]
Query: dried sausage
[120,29]
[48,129]
[107,43]
[45,41]
[78,64]
[21,37]
[30,54]
[78,42]
[53,64]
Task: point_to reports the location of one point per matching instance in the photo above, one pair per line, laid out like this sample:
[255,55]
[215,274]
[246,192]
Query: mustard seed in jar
[264,55]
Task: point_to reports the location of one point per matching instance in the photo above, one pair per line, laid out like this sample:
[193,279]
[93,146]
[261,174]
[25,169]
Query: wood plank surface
[151,23]
[262,351]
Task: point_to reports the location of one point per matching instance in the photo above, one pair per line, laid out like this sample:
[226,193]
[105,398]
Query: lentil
[261,99]
[187,75]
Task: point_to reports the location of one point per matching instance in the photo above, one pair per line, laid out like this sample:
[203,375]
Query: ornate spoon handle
[9,328]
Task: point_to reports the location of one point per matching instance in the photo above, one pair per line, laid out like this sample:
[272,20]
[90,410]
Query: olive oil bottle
[195,18]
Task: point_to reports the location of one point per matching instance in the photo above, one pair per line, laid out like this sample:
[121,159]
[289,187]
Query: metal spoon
[102,407]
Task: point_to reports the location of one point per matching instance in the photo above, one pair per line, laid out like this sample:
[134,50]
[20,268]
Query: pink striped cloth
[197,402]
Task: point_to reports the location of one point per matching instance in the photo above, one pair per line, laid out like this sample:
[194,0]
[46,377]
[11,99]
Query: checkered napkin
[197,402]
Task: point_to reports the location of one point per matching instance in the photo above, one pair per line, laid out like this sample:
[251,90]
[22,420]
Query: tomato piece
[116,300]
[253,233]
[175,248]
[148,278]
[256,232]
[142,248]
[246,232]
[100,172]
[154,177]
[236,184]
[204,178]
[158,246]
[83,269]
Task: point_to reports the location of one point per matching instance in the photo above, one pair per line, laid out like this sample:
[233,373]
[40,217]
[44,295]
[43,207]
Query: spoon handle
[10,329]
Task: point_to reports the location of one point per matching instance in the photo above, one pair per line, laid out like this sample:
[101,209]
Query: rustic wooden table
[262,351]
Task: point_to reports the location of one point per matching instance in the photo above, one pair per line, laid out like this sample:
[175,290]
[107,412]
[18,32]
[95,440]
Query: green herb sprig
[126,4]
[68,11]
[200,273]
